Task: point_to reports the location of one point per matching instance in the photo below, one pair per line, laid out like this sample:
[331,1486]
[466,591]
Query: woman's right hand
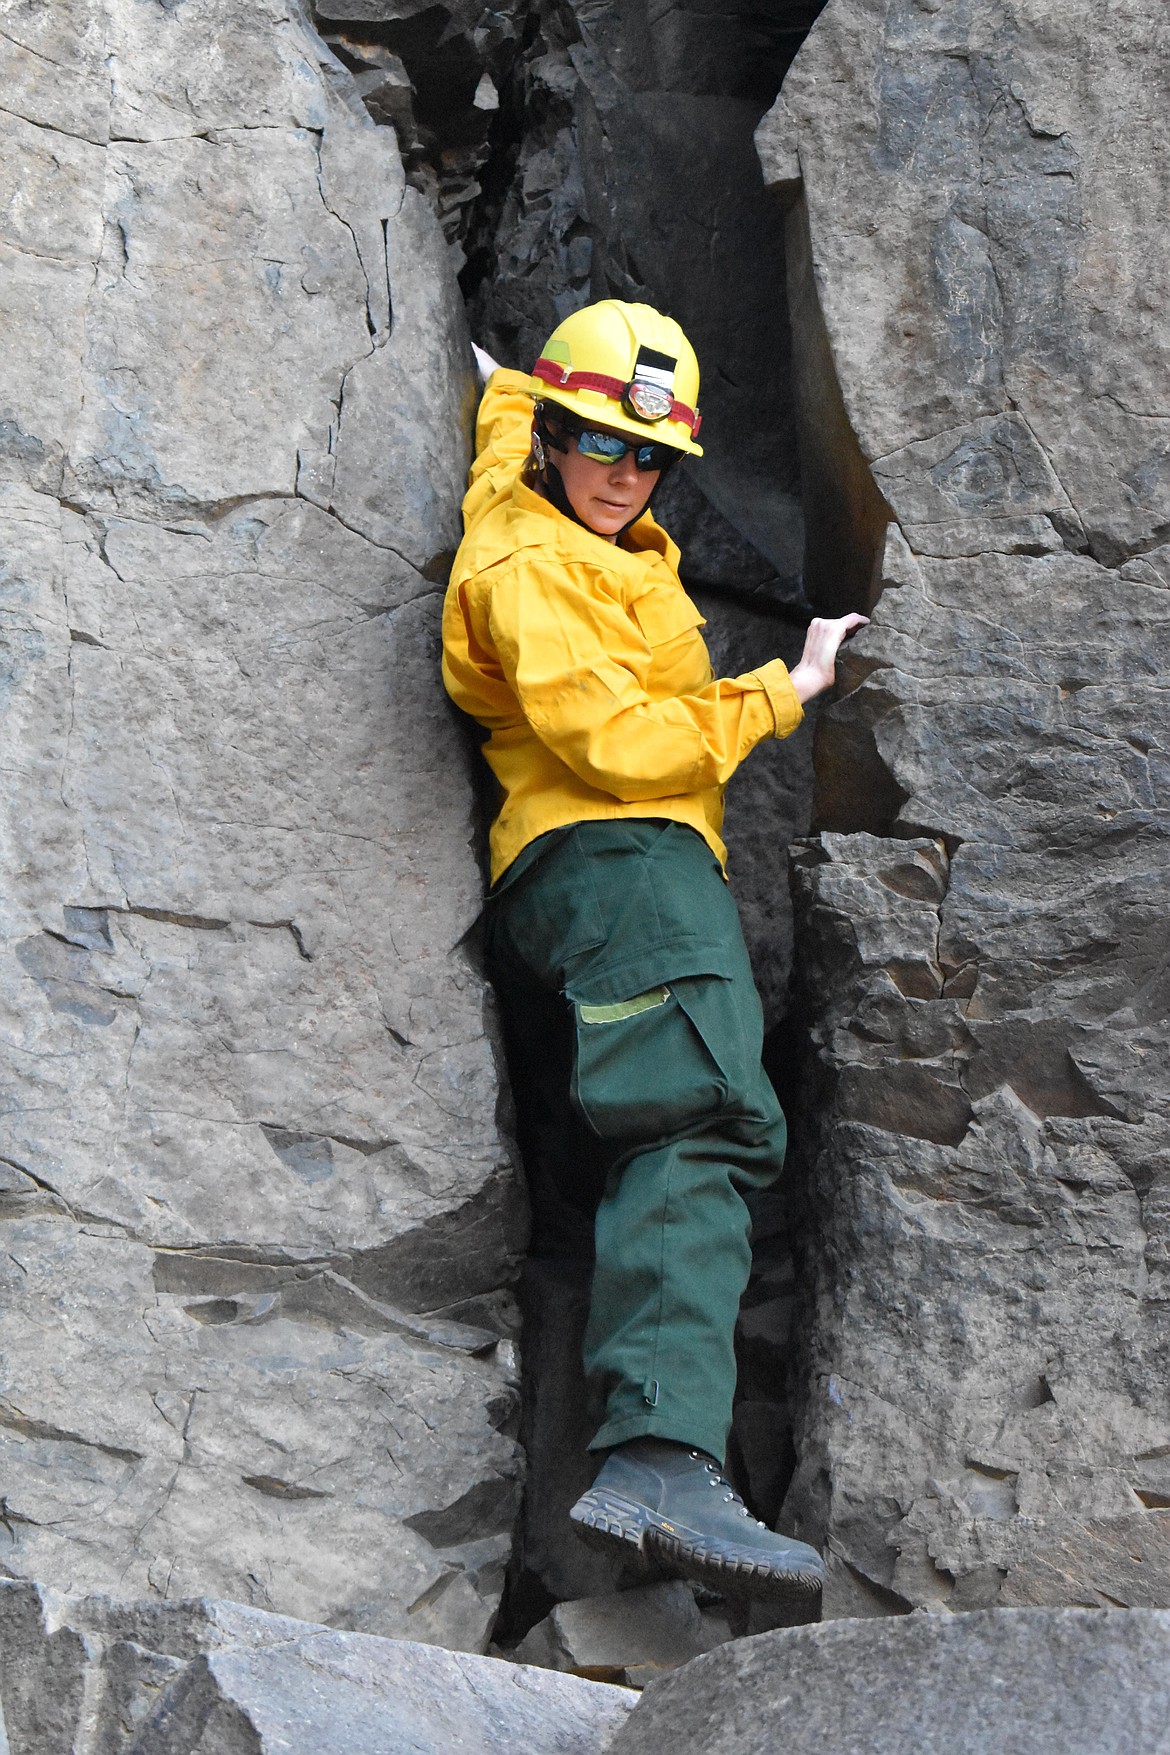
[485,364]
[817,667]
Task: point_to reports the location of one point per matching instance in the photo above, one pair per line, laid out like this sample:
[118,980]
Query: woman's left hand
[817,667]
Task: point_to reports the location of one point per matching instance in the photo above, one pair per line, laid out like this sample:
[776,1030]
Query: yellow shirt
[583,659]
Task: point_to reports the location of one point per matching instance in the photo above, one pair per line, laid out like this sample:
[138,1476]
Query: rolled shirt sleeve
[787,710]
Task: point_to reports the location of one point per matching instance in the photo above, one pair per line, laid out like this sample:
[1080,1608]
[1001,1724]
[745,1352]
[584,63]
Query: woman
[634,1028]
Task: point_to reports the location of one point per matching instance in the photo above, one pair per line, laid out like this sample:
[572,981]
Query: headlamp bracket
[649,395]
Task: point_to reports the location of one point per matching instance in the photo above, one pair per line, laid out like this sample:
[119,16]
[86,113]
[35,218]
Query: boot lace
[716,1478]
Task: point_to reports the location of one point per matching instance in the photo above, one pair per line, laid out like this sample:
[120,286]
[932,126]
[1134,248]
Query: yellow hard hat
[627,367]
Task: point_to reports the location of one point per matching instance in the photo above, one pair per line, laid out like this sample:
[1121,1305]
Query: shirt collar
[645,540]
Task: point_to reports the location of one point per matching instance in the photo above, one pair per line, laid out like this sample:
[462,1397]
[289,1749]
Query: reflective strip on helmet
[613,388]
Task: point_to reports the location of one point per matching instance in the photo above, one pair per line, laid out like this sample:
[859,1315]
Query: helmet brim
[591,405]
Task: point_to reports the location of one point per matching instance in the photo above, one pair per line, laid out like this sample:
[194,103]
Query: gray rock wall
[985,978]
[249,1144]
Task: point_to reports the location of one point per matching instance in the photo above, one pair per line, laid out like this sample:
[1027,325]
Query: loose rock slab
[1024,1682]
[336,1693]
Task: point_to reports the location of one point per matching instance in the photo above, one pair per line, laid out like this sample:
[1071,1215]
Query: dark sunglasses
[609,448]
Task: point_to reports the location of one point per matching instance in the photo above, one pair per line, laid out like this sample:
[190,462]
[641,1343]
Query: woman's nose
[624,471]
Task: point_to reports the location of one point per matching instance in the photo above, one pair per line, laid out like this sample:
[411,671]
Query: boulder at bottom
[993,1682]
[152,1678]
[353,1694]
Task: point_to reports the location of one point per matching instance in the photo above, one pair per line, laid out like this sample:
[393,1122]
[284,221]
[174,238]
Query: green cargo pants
[634,1037]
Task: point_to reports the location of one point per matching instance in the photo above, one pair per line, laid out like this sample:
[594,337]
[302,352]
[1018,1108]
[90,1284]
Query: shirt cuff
[776,683]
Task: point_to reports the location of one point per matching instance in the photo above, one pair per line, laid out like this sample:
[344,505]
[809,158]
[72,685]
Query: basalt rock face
[978,280]
[258,1217]
[256,1212]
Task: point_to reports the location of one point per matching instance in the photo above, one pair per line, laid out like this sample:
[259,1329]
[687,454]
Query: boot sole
[605,1521]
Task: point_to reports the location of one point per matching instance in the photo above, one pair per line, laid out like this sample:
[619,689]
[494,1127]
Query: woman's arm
[503,438]
[577,664]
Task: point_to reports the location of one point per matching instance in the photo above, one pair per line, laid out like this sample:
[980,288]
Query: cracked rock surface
[980,282]
[255,1212]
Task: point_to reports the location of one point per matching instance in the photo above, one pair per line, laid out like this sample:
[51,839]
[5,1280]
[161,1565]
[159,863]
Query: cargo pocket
[643,1069]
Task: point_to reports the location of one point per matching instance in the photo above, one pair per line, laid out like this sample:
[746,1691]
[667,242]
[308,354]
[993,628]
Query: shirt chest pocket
[663,614]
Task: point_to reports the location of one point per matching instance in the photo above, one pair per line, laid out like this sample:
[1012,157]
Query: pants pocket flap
[624,1008]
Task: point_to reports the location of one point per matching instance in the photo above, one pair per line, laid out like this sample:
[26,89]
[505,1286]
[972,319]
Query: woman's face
[606,496]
